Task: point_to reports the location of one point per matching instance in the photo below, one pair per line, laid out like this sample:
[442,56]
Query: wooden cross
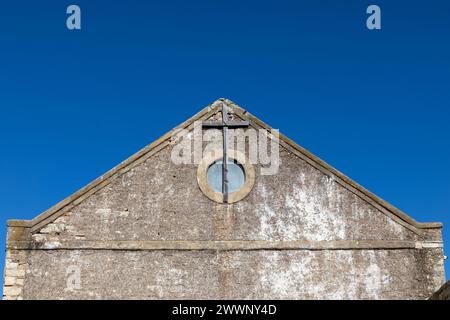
[224,125]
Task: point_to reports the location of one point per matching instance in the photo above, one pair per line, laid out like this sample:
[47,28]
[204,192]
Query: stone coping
[226,245]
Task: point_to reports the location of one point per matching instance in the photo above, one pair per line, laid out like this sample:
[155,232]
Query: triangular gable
[64,206]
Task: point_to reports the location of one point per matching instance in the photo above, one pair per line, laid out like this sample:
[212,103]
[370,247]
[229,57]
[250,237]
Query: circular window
[236,176]
[240,174]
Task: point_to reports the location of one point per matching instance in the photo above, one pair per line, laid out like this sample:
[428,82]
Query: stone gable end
[146,230]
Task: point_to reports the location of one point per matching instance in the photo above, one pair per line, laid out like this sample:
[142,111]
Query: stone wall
[149,232]
[14,276]
[210,274]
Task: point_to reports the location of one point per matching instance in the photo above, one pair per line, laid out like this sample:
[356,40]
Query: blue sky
[373,104]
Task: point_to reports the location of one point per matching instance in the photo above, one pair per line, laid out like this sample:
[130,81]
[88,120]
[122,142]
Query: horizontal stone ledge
[221,245]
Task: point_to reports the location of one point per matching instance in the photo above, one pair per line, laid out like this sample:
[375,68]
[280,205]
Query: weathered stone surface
[291,274]
[151,233]
[15,270]
[154,202]
[12,291]
[9,281]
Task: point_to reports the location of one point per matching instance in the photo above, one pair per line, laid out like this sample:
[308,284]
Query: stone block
[12,291]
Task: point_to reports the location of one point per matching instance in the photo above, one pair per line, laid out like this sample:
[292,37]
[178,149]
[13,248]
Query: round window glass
[236,176]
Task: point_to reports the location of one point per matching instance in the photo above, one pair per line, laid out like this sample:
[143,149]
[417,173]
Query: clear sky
[375,104]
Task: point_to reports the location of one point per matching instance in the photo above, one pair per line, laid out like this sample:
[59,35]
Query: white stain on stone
[374,277]
[52,245]
[39,237]
[170,279]
[103,212]
[293,275]
[281,280]
[395,227]
[124,213]
[308,212]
